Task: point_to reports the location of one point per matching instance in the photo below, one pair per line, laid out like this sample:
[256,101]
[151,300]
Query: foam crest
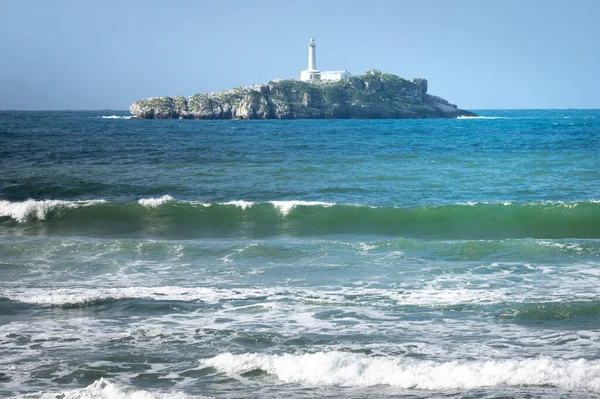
[103,389]
[351,369]
[117,116]
[240,204]
[86,295]
[562,246]
[425,296]
[449,297]
[475,203]
[21,211]
[155,202]
[286,206]
[81,296]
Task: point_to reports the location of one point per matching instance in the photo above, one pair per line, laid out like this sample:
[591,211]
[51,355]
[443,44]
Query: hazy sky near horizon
[478,54]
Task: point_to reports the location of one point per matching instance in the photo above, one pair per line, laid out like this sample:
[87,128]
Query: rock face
[372,95]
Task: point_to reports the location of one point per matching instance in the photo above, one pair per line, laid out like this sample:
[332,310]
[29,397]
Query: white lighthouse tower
[312,73]
[312,55]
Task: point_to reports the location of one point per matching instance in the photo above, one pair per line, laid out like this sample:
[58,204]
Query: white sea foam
[286,206]
[20,211]
[567,205]
[117,116]
[474,203]
[240,204]
[103,389]
[351,369]
[227,258]
[75,296]
[363,247]
[425,296]
[448,297]
[83,295]
[155,202]
[562,245]
[203,204]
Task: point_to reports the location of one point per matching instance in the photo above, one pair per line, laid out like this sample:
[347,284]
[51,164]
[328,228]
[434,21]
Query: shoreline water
[343,258]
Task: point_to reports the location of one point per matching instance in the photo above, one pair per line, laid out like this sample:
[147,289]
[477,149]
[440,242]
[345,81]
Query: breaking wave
[91,296]
[117,116]
[32,209]
[533,305]
[104,389]
[165,217]
[155,202]
[359,370]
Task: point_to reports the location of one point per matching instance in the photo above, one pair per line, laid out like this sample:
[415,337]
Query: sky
[478,54]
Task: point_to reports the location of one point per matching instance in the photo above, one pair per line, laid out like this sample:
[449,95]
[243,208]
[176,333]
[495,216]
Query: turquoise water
[333,258]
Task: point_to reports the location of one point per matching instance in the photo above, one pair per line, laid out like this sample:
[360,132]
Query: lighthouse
[312,55]
[312,73]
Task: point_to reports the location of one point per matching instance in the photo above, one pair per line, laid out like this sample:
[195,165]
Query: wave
[97,296]
[21,211]
[166,217]
[359,370]
[117,116]
[104,389]
[555,305]
[551,311]
[155,202]
[284,207]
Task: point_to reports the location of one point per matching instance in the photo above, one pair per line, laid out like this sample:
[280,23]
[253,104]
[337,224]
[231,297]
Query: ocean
[455,258]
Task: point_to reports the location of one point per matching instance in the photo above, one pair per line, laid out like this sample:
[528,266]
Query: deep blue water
[331,258]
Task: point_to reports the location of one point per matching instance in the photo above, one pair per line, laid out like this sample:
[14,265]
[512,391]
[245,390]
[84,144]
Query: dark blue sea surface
[305,258]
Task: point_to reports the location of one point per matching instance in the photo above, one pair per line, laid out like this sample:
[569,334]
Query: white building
[312,73]
[335,75]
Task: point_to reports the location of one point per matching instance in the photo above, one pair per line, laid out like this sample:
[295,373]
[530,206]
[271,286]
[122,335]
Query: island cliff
[372,95]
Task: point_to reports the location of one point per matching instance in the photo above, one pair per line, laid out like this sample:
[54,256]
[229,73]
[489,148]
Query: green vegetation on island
[372,95]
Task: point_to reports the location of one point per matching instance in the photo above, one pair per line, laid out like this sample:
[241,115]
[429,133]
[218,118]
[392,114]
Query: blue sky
[477,54]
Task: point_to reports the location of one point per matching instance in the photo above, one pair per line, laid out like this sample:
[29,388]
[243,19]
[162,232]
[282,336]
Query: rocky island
[374,95]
